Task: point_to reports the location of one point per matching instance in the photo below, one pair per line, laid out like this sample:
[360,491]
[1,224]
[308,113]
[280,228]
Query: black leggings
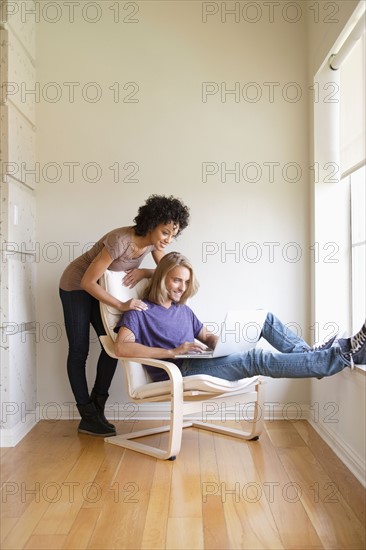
[81,310]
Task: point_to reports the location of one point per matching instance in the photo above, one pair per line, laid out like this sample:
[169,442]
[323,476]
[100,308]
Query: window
[352,159]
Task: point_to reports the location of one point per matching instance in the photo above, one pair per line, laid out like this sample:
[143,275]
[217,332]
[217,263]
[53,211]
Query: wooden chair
[201,393]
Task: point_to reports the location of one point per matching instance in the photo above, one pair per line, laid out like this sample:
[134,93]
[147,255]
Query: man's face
[176,282]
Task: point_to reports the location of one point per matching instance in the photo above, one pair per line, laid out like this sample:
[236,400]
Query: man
[168,327]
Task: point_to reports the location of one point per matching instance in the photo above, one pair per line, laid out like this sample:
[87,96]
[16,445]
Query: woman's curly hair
[160,209]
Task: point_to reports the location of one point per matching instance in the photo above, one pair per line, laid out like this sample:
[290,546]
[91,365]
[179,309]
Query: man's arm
[207,337]
[125,346]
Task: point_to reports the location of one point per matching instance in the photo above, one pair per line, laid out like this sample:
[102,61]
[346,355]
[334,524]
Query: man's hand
[189,347]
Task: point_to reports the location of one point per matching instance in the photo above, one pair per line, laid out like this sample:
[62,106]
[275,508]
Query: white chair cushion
[200,383]
[137,376]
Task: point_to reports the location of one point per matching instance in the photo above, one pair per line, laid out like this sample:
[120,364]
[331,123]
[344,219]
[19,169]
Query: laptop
[239,332]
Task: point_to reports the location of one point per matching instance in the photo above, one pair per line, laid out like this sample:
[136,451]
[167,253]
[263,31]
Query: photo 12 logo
[271,491]
[68,491]
[269,12]
[268,92]
[70,11]
[268,251]
[71,172]
[70,92]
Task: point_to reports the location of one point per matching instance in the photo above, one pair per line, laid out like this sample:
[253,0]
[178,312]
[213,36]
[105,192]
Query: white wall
[169,52]
[18,388]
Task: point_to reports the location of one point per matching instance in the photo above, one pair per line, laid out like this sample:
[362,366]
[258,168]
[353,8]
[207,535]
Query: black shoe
[354,348]
[324,346]
[91,423]
[99,402]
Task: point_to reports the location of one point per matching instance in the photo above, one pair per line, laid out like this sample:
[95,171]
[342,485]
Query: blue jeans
[80,311]
[294,361]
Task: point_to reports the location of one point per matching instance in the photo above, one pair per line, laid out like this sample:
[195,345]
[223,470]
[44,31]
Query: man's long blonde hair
[156,290]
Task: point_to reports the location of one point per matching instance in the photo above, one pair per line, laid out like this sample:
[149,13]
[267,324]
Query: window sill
[361,369]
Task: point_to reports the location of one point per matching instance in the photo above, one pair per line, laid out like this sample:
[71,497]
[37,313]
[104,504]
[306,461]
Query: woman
[158,221]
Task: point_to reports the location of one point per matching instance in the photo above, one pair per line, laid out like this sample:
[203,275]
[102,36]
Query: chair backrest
[111,281]
[136,375]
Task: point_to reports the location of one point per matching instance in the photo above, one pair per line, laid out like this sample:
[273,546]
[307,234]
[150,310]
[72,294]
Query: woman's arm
[133,276]
[89,283]
[125,346]
[157,255]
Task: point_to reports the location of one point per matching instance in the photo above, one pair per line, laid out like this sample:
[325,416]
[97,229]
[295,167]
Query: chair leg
[128,441]
[256,424]
[175,429]
[176,425]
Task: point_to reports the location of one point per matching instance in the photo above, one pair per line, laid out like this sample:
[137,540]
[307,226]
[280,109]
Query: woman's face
[163,234]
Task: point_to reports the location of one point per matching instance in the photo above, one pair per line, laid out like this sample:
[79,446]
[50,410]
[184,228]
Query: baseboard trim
[355,463]
[160,411]
[131,412]
[10,437]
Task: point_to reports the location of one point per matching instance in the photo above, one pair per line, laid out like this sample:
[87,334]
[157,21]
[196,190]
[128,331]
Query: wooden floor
[287,490]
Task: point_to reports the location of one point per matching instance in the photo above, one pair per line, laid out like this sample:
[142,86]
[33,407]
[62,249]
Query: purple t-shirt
[160,327]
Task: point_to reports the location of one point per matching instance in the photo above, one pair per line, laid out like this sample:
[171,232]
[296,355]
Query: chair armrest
[108,345]
[170,368]
[175,376]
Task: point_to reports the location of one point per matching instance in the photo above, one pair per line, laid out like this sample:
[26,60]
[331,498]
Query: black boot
[91,423]
[99,402]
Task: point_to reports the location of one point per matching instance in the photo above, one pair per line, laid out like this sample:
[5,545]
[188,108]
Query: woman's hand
[134,304]
[132,277]
[189,347]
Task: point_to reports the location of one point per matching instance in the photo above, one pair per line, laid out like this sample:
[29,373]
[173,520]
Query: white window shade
[352,108]
[358,246]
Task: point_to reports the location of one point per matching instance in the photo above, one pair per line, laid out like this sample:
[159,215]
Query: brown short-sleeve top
[120,247]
